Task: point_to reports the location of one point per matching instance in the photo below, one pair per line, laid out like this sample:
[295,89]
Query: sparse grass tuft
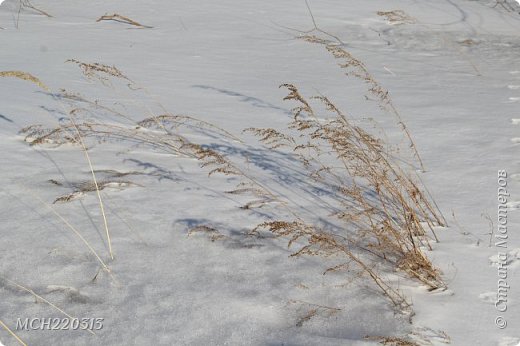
[212,233]
[24,76]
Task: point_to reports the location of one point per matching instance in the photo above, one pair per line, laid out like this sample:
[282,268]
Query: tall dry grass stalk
[94,179]
[13,334]
[357,69]
[28,77]
[76,232]
[26,4]
[386,217]
[40,298]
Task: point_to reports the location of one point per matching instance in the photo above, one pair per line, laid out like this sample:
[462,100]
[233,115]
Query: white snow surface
[454,74]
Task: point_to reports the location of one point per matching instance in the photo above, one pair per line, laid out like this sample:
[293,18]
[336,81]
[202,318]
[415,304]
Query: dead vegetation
[98,71]
[387,219]
[378,199]
[122,19]
[83,188]
[13,334]
[397,17]
[212,233]
[26,4]
[24,76]
[307,311]
[392,341]
[355,68]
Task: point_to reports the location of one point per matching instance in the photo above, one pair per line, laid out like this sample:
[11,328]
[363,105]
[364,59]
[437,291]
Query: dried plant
[309,310]
[385,214]
[122,19]
[357,69]
[383,209]
[392,341]
[77,138]
[38,298]
[23,4]
[28,4]
[24,76]
[211,232]
[397,17]
[174,122]
[98,71]
[81,189]
[13,334]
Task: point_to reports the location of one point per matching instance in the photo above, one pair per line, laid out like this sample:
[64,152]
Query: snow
[453,74]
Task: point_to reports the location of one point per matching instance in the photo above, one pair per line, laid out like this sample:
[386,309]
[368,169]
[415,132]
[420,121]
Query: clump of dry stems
[356,68]
[385,209]
[385,215]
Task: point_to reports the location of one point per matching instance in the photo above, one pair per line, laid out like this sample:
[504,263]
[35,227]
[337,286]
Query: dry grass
[356,68]
[212,233]
[122,19]
[98,71]
[26,4]
[78,137]
[89,186]
[76,232]
[29,5]
[307,311]
[13,334]
[379,200]
[40,298]
[386,215]
[392,341]
[397,17]
[24,76]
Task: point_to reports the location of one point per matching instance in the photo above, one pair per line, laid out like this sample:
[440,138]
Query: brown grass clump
[122,19]
[385,217]
[383,209]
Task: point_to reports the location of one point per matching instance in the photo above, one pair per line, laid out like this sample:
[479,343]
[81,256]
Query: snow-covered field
[452,68]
